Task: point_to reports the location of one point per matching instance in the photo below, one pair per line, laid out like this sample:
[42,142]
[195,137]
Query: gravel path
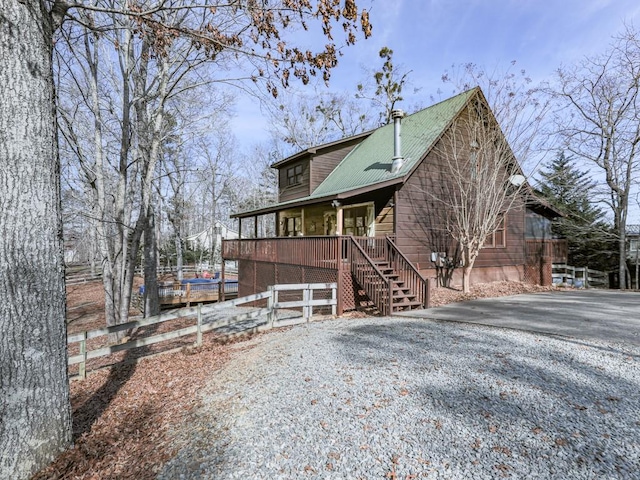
[411,398]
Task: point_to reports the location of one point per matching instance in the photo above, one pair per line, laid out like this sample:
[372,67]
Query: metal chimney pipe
[397,159]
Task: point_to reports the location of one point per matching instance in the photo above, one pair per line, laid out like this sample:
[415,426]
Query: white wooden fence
[579,276]
[307,304]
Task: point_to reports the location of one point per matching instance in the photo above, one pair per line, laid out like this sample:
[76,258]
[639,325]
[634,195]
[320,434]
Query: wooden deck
[192,293]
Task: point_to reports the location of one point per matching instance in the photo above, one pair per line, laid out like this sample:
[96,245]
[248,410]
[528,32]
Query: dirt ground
[123,415]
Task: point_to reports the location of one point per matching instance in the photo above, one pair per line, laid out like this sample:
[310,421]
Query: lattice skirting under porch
[537,271]
[257,276]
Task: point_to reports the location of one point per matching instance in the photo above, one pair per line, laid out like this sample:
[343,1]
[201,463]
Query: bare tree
[518,104]
[35,413]
[599,120]
[303,121]
[217,158]
[35,419]
[480,181]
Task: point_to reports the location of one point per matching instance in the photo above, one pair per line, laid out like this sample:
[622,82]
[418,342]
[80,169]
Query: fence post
[270,306]
[82,368]
[306,308]
[334,300]
[586,277]
[199,327]
[427,293]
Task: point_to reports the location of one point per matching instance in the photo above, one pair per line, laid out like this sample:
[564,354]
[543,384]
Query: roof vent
[397,159]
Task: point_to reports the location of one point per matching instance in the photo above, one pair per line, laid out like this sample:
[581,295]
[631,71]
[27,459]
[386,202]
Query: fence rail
[579,276]
[80,278]
[188,293]
[307,304]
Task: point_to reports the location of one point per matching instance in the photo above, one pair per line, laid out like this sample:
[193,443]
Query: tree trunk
[622,252]
[466,279]
[637,265]
[469,260]
[179,258]
[35,415]
[151,299]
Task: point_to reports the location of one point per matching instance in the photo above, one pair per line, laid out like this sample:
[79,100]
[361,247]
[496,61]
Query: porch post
[339,221]
[239,227]
[255,226]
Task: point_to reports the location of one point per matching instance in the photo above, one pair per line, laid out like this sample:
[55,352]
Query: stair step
[397,307]
[404,295]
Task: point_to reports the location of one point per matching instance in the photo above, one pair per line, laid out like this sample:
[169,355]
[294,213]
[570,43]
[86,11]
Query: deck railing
[323,252]
[556,249]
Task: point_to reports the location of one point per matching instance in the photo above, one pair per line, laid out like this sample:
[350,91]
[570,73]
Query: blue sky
[429,36]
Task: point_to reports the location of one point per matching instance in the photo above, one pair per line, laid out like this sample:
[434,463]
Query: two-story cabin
[360,212]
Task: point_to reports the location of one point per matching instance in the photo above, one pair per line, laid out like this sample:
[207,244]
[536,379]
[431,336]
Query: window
[294,175]
[497,239]
[358,220]
[537,227]
[293,226]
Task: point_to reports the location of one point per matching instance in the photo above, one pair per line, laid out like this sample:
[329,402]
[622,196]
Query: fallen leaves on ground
[124,415]
[443,296]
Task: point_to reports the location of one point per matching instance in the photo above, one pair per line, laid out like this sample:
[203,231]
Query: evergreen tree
[590,240]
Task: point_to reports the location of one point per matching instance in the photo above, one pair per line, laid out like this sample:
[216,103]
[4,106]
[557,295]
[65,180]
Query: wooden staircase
[389,280]
[402,298]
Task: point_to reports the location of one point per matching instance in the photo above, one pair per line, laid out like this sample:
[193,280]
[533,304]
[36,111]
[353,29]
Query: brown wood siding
[293,192]
[514,251]
[421,230]
[384,222]
[322,164]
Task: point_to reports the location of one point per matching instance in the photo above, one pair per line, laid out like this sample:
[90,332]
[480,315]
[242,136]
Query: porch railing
[323,252]
[555,249]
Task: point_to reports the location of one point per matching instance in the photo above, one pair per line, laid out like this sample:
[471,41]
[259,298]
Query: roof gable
[369,162]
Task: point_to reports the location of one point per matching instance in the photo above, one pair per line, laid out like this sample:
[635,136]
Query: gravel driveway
[410,398]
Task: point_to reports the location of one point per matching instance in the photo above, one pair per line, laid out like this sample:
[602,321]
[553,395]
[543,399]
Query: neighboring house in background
[211,240]
[346,214]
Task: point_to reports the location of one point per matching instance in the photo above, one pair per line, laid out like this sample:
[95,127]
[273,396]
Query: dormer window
[294,175]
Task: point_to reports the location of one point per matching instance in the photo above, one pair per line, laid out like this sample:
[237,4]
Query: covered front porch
[370,214]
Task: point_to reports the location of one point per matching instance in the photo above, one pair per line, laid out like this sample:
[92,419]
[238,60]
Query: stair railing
[370,278]
[408,273]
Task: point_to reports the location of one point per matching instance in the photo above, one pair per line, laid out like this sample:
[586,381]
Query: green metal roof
[370,162]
